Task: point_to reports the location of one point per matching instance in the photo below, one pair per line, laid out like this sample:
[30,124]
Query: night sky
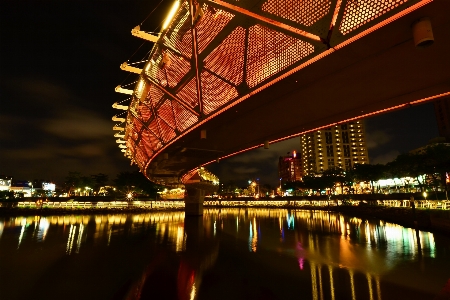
[59,67]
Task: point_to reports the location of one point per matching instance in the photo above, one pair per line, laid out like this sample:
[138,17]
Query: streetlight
[280,192]
[253,189]
[87,191]
[31,184]
[257,179]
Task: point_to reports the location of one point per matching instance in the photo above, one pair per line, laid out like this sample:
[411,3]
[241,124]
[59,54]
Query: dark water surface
[226,254]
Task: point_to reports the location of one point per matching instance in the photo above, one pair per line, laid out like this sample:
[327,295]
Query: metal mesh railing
[358,13]
[227,59]
[270,52]
[306,12]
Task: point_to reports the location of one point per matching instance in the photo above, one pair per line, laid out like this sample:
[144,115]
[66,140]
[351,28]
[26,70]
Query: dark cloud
[377,138]
[400,131]
[78,124]
[385,158]
[51,131]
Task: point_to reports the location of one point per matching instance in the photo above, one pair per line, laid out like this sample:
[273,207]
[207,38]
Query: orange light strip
[383,23]
[447,94]
[188,175]
[237,9]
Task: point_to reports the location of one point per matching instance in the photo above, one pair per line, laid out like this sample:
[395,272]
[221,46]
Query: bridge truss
[215,54]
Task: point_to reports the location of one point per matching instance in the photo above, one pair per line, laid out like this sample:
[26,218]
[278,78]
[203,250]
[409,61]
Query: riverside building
[5,183]
[290,167]
[342,146]
[442,111]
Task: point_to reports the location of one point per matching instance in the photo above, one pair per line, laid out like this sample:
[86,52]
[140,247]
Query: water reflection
[170,256]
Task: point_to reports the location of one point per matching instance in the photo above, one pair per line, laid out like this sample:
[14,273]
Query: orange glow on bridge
[217,54]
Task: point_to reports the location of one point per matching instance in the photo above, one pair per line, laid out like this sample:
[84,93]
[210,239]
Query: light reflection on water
[344,257]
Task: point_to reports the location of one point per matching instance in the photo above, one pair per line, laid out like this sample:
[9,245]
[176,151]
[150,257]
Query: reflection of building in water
[100,228]
[324,287]
[253,236]
[357,252]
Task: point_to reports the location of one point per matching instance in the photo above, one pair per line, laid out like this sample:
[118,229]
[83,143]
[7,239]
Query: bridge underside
[343,77]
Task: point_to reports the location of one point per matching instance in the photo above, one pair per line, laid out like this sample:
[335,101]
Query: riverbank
[435,220]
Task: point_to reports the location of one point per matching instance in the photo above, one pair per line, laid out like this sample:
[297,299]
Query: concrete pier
[195,195]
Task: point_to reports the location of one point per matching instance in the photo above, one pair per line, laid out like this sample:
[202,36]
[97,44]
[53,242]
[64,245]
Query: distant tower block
[442,111]
[342,146]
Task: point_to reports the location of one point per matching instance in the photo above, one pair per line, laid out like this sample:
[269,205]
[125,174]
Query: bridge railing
[154,204]
[179,204]
[426,204]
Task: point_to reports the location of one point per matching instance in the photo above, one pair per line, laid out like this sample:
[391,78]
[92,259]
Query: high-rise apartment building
[442,111]
[290,167]
[341,146]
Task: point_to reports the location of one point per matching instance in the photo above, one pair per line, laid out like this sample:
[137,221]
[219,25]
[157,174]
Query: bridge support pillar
[195,195]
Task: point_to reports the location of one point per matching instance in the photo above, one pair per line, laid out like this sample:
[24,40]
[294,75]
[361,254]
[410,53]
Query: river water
[226,254]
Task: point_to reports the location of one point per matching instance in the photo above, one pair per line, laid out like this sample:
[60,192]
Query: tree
[437,164]
[317,183]
[368,173]
[136,183]
[266,189]
[295,186]
[6,195]
[76,182]
[100,180]
[331,176]
[229,188]
[72,182]
[408,165]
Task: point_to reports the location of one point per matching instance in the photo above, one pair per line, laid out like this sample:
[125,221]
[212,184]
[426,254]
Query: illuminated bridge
[227,76]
